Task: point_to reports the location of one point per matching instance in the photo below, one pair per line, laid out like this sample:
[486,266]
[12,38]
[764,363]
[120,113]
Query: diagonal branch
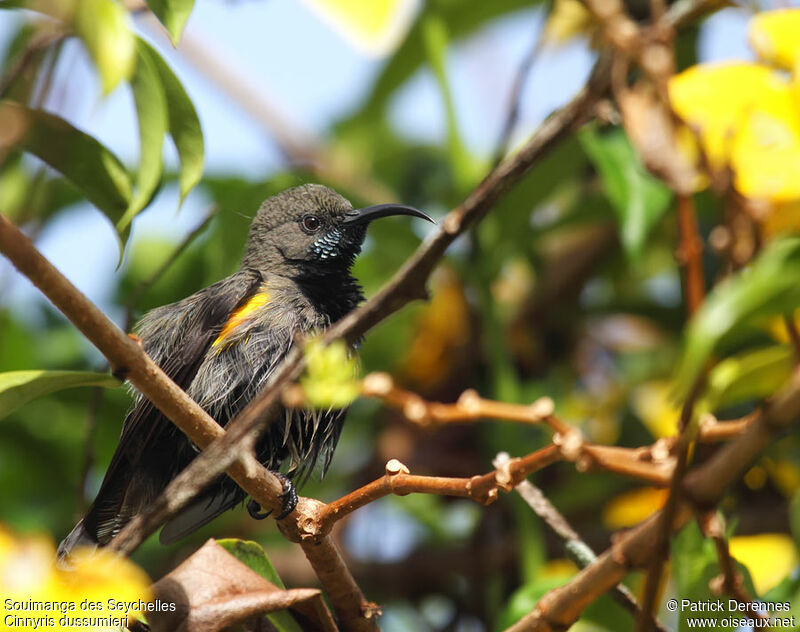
[701,490]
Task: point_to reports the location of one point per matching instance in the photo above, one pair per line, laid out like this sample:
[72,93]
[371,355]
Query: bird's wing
[199,512]
[177,337]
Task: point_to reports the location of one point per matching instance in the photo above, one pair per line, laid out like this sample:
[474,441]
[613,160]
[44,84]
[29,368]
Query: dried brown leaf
[212,590]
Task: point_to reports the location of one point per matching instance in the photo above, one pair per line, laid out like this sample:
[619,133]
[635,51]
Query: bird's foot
[254,509]
[288,498]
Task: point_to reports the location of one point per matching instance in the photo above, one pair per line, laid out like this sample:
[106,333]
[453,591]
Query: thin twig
[691,253]
[515,98]
[712,524]
[686,435]
[399,481]
[469,407]
[143,286]
[576,548]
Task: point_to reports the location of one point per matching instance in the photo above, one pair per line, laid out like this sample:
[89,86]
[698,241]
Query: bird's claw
[254,509]
[288,498]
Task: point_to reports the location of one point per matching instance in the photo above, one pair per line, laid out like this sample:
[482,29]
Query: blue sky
[313,77]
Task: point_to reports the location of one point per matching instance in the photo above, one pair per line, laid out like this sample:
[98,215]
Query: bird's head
[311,230]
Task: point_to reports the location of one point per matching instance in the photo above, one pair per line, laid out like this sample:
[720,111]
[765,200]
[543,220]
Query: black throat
[335,295]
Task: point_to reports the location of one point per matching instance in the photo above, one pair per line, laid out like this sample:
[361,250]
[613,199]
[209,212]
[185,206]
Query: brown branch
[399,481]
[712,524]
[630,462]
[515,98]
[576,548]
[687,432]
[408,283]
[648,464]
[702,488]
[469,407]
[712,430]
[691,253]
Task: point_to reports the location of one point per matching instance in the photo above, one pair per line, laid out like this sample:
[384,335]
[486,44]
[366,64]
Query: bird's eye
[311,223]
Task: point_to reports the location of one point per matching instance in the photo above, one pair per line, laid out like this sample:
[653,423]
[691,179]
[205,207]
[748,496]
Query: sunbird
[221,345]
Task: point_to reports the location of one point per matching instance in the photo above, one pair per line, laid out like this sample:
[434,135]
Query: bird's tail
[78,537]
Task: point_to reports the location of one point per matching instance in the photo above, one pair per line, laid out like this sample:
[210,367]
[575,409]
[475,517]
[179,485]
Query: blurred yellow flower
[37,595]
[374,26]
[769,557]
[774,37]
[653,404]
[747,116]
[748,119]
[567,19]
[561,567]
[630,508]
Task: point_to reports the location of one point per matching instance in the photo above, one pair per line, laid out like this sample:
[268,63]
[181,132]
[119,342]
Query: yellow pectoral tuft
[240,315]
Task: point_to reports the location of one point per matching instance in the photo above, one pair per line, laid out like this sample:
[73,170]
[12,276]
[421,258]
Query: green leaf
[151,111]
[255,558]
[20,387]
[694,565]
[769,286]
[104,27]
[436,37]
[749,375]
[638,198]
[184,126]
[89,165]
[173,14]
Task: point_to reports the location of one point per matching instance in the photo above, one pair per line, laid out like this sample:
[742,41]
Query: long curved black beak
[368,213]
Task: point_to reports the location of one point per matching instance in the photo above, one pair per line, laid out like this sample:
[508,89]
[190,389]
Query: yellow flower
[632,507]
[747,118]
[653,405]
[567,19]
[28,574]
[769,557]
[374,26]
[775,37]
